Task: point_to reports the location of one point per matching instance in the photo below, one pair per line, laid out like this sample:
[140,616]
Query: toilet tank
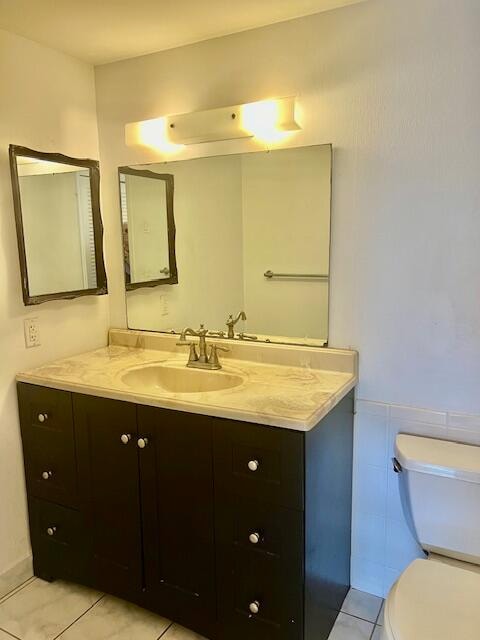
[440,487]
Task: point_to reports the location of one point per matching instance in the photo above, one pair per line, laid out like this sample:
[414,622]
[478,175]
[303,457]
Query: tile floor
[37,610]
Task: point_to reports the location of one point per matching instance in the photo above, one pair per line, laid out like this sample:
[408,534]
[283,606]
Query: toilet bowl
[433,601]
[438,598]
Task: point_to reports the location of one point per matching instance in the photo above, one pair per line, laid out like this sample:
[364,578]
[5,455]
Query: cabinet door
[176,471]
[107,454]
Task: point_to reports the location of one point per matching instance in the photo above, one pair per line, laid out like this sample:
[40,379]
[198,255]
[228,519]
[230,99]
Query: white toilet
[438,598]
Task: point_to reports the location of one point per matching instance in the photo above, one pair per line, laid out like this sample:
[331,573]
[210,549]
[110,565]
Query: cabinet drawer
[48,443]
[58,541]
[260,463]
[261,581]
[51,469]
[44,410]
[263,528]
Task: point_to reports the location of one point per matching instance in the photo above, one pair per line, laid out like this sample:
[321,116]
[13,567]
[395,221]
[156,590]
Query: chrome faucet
[200,360]
[232,322]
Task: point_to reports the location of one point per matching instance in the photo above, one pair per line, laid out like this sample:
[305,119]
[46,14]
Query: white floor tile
[115,619]
[377,634]
[14,591]
[16,576]
[350,628]
[176,632]
[380,615]
[41,610]
[361,604]
[5,636]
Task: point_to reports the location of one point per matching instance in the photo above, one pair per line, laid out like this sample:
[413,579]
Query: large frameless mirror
[253,235]
[59,225]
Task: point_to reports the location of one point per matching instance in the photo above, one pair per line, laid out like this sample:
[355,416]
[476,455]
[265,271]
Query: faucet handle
[193,356]
[202,331]
[213,357]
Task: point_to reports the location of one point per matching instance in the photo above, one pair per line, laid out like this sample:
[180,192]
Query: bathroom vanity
[228,510]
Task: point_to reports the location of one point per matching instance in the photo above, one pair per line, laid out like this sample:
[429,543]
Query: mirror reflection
[57,226]
[253,235]
[148,228]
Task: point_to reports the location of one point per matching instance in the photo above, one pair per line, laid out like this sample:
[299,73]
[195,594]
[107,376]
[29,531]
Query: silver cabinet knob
[254,607]
[254,537]
[46,475]
[142,443]
[42,417]
[125,438]
[253,465]
[51,531]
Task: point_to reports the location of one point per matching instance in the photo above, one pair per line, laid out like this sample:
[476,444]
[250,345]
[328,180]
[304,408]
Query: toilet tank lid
[438,457]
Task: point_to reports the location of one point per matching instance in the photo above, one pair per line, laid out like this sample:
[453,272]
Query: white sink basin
[161,377]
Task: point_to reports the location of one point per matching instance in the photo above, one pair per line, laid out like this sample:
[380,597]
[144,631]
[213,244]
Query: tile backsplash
[382,545]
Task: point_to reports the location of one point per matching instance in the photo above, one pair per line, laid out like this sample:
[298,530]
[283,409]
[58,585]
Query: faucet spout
[231,322]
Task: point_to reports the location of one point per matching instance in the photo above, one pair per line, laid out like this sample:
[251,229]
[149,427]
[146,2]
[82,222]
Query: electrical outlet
[32,333]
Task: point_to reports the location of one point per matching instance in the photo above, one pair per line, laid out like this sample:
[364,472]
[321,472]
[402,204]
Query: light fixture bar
[267,120]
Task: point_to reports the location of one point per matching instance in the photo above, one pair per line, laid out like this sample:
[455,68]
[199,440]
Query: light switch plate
[32,333]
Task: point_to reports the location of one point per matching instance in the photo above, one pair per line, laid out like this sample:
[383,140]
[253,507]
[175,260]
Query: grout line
[164,632]
[9,634]
[358,617]
[17,589]
[379,612]
[79,617]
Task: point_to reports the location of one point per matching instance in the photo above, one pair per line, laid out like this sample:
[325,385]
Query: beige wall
[377,80]
[47,103]
[394,86]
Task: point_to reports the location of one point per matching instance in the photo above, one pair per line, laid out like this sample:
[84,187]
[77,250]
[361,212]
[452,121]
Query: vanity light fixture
[267,121]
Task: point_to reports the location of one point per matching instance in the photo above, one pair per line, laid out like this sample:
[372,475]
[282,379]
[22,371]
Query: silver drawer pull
[42,417]
[46,475]
[142,443]
[254,537]
[253,465]
[51,531]
[254,607]
[125,438]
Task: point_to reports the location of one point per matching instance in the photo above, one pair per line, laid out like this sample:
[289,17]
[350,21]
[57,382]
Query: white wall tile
[382,545]
[412,414]
[394,510]
[416,428]
[370,490]
[368,537]
[370,439]
[373,408]
[464,421]
[368,576]
[401,548]
[467,436]
[390,576]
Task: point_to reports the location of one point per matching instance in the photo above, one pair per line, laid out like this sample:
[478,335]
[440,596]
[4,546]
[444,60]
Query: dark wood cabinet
[232,529]
[109,488]
[176,475]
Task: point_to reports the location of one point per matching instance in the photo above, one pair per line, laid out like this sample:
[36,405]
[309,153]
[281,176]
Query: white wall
[48,103]
[395,87]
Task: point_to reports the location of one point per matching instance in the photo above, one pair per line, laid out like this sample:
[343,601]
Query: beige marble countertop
[293,396]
